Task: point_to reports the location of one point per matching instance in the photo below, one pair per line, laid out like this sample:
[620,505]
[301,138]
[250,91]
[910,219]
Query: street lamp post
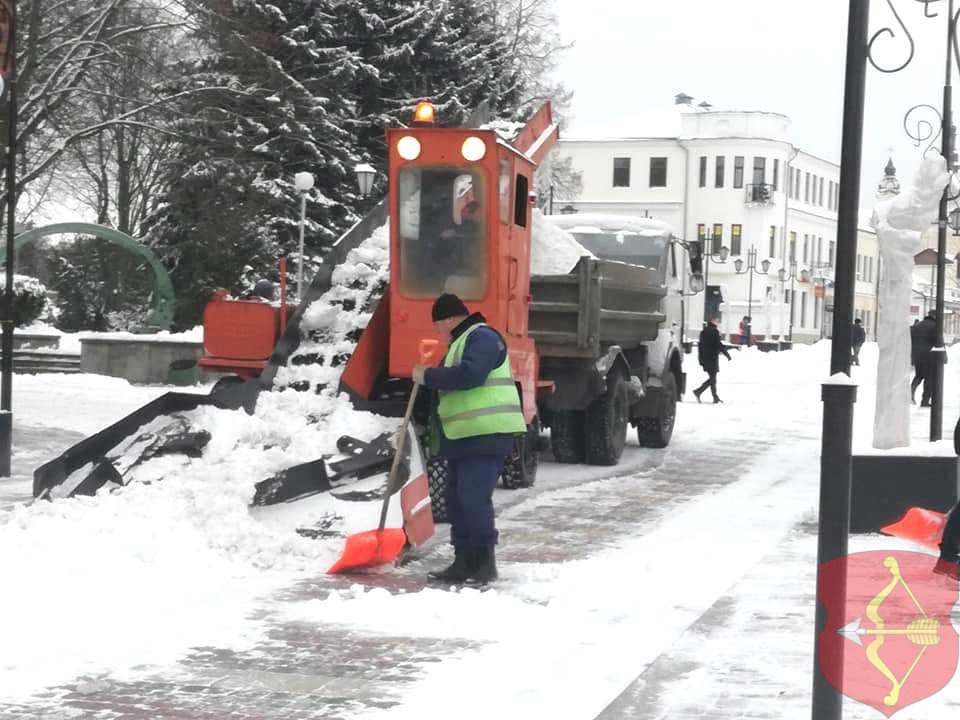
[751,269]
[804,276]
[719,257]
[303,181]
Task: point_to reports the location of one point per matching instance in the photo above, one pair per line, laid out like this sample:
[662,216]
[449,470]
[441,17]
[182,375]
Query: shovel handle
[392,477]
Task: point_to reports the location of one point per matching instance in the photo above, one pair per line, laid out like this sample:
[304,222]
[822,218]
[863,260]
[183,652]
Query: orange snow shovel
[383,545]
[924,527]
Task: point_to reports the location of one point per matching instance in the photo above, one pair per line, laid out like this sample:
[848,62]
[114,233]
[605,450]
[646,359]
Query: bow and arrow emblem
[923,632]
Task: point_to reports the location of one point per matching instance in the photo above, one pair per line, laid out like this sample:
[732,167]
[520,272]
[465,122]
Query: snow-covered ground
[134,579]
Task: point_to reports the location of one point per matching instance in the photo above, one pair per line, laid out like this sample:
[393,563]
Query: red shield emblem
[891,644]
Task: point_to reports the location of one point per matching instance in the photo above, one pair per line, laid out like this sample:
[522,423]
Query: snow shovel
[924,527]
[383,545]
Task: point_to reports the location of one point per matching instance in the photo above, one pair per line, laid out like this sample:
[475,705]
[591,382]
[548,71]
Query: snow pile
[177,558]
[553,251]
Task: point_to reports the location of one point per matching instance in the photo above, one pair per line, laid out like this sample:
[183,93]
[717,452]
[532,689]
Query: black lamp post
[8,23]
[751,269]
[804,277]
[719,257]
[947,134]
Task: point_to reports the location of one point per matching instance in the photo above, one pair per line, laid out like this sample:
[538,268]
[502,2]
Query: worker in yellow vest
[477,416]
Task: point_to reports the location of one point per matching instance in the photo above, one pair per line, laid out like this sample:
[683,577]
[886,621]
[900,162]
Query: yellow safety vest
[490,409]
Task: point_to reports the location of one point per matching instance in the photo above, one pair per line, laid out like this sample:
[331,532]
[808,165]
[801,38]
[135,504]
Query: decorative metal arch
[164,298]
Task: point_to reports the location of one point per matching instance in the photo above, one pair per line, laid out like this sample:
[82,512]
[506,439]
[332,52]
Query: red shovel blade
[924,527]
[369,549]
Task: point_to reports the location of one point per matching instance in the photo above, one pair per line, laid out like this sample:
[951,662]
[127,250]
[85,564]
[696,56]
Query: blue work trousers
[470,484]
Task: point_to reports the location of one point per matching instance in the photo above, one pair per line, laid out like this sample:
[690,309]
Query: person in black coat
[923,341]
[708,352]
[858,338]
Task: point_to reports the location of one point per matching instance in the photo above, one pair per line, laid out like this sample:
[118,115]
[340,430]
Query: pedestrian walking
[857,340]
[708,353]
[476,416]
[923,338]
[744,330]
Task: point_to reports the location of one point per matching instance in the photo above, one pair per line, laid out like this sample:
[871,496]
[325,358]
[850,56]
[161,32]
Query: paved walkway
[305,671]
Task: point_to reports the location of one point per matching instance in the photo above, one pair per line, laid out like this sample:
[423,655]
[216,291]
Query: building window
[819,251]
[701,232]
[816,312]
[759,170]
[833,250]
[859,265]
[793,246]
[703,171]
[803,309]
[718,179]
[621,172]
[738,171]
[806,190]
[776,172]
[773,241]
[820,195]
[806,241]
[735,232]
[796,178]
[658,172]
[830,196]
[869,269]
[717,238]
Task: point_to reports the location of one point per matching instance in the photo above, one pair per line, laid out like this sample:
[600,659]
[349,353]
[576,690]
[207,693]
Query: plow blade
[95,448]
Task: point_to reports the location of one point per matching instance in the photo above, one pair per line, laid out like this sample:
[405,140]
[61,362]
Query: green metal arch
[164,299]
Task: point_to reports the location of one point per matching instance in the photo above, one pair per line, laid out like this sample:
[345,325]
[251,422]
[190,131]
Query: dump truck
[593,350]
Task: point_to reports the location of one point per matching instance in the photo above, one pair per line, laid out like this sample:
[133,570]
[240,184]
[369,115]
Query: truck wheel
[655,432]
[607,419]
[437,471]
[520,468]
[566,436]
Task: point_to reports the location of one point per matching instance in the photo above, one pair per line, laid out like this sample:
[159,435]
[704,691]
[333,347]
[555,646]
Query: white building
[735,180]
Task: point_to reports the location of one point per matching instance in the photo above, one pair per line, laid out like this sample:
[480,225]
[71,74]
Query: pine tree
[231,201]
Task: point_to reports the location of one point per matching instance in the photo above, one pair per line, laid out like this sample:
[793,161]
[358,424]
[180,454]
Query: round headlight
[408,147]
[473,149]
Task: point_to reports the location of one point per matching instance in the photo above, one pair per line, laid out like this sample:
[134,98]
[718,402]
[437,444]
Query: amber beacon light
[424,113]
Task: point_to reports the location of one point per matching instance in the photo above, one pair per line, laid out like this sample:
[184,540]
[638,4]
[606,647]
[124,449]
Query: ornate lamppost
[751,269]
[792,276]
[947,133]
[719,257]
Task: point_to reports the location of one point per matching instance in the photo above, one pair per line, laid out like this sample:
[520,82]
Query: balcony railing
[760,194]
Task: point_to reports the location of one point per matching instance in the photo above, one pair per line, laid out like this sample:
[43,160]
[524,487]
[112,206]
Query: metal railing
[760,194]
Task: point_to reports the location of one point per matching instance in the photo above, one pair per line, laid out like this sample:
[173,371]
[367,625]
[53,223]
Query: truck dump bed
[598,304]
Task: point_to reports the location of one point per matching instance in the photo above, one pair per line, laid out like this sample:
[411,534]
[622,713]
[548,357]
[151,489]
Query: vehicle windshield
[442,230]
[623,245]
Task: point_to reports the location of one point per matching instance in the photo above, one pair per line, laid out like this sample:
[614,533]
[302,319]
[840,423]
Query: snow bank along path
[177,559]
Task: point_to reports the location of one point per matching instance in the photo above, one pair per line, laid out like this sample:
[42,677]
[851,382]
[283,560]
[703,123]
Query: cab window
[442,231]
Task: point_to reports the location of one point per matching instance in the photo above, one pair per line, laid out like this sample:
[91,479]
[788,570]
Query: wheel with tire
[606,423]
[656,431]
[437,472]
[956,438]
[566,436]
[520,468]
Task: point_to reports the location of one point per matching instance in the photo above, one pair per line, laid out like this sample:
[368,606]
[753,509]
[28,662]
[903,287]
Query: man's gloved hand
[418,373]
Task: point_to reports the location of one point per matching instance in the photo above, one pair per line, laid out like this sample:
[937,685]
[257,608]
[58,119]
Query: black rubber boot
[457,571]
[484,568]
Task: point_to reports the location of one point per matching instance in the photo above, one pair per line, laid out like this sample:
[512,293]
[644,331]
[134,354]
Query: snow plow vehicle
[592,345]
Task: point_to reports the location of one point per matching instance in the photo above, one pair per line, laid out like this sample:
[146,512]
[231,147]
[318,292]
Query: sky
[785,56]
